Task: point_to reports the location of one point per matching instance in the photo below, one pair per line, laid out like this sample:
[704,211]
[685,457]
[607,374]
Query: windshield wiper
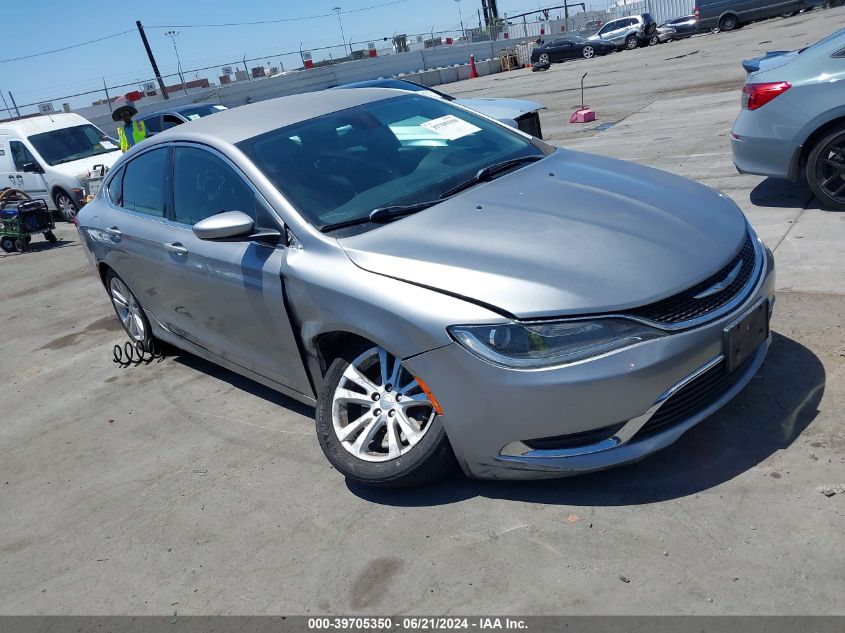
[382,214]
[486,173]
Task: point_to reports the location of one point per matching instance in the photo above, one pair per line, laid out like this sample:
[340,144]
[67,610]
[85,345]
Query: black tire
[728,22]
[50,237]
[20,244]
[66,205]
[7,244]
[789,14]
[654,40]
[588,52]
[431,460]
[147,338]
[631,42]
[822,173]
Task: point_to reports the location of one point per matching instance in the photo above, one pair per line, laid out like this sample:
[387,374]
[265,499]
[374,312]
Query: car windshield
[200,111]
[71,143]
[822,42]
[404,150]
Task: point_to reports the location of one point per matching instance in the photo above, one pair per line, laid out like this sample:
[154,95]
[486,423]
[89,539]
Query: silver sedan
[445,290]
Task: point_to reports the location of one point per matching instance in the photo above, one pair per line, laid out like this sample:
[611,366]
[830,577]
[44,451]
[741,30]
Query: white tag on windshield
[108,145]
[450,127]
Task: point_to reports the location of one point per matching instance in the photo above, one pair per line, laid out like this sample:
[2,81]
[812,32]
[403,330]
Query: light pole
[461,17]
[172,35]
[338,10]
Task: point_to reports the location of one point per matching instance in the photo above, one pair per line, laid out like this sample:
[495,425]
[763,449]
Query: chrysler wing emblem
[721,285]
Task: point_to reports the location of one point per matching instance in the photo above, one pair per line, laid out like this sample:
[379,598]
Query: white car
[55,158]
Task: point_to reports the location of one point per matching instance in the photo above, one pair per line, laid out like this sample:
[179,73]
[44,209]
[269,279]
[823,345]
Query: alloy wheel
[631,43]
[589,52]
[128,310]
[379,410]
[831,170]
[66,207]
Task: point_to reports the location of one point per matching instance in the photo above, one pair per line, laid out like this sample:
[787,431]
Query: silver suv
[629,32]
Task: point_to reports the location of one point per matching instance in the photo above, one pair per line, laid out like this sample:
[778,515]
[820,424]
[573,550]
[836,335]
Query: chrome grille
[685,307]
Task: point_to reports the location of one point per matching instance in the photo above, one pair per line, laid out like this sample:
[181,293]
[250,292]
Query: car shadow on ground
[780,193]
[39,244]
[767,416]
[239,382]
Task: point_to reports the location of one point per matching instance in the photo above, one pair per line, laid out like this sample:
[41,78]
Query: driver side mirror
[229,224]
[32,168]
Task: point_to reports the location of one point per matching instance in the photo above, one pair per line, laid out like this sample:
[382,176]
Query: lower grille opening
[694,397]
[573,440]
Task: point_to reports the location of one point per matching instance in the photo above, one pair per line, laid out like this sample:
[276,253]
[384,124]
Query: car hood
[84,165]
[772,59]
[571,234]
[500,108]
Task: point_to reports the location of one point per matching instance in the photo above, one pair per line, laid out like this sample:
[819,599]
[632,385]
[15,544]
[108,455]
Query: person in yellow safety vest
[131,132]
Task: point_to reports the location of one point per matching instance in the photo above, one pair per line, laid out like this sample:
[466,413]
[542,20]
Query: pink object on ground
[583,115]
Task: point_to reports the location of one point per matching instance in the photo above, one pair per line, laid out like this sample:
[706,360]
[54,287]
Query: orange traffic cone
[473,73]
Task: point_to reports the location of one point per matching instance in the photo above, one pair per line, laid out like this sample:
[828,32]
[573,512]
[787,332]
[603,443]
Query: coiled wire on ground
[136,353]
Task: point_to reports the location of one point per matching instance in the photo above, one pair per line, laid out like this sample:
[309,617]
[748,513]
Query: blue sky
[47,24]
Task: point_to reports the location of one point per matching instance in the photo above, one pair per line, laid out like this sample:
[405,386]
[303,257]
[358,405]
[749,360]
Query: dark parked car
[686,26]
[571,47]
[726,15]
[165,119]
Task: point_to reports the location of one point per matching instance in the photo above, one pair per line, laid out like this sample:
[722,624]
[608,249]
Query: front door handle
[175,247]
[20,181]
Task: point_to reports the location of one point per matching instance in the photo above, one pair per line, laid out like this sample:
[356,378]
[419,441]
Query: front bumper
[491,414]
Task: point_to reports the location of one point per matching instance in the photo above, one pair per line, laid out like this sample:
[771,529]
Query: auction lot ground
[178,487]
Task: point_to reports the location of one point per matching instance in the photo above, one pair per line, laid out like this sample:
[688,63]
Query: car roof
[237,124]
[174,109]
[45,123]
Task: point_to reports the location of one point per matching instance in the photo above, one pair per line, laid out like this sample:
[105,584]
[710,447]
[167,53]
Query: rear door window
[144,183]
[153,124]
[116,188]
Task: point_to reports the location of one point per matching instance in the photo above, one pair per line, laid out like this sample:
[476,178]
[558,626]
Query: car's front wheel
[378,426]
[589,52]
[66,205]
[654,40]
[543,58]
[826,170]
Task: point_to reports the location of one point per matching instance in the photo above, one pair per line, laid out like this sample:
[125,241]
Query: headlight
[554,343]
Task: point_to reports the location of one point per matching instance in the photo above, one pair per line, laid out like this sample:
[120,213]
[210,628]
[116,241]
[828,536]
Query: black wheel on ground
[65,204]
[789,14]
[826,170]
[129,311]
[377,426]
[50,237]
[588,52]
[728,22]
[654,40]
[20,244]
[631,42]
[7,244]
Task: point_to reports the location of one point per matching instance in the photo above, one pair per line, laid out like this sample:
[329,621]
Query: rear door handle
[176,247]
[12,178]
[114,231]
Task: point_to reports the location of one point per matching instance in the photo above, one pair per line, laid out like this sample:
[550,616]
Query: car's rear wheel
[376,424]
[588,52]
[128,310]
[631,42]
[728,22]
[826,170]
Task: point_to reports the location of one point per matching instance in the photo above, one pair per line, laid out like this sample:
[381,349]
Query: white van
[53,158]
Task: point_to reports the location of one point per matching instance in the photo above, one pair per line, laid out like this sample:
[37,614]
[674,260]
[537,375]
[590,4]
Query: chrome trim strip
[623,436]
